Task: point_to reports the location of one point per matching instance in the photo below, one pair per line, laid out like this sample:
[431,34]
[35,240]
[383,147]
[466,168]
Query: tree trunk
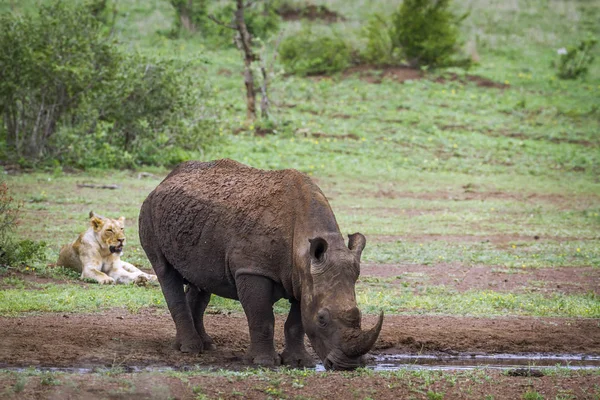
[244,43]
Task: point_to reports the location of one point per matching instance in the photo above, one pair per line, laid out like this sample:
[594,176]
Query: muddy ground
[119,339]
[122,341]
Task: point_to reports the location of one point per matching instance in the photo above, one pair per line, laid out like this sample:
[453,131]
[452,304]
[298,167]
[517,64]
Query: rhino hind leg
[197,302]
[295,354]
[256,295]
[187,339]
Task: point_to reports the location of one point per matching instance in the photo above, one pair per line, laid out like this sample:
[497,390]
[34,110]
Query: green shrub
[311,53]
[12,252]
[575,61]
[9,211]
[380,49]
[425,32]
[48,65]
[68,93]
[262,19]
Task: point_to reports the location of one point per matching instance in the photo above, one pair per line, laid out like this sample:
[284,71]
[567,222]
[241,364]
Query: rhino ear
[318,249]
[357,242]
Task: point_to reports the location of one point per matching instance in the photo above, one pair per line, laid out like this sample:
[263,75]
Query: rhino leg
[255,294]
[295,354]
[197,301]
[187,339]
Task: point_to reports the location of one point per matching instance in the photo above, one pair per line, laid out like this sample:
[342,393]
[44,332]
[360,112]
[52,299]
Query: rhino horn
[358,342]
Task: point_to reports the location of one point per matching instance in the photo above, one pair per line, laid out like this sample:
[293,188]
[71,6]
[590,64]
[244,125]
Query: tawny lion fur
[96,254]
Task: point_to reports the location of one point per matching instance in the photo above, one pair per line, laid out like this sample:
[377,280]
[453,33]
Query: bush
[67,92]
[47,67]
[15,253]
[380,48]
[311,53]
[421,32]
[575,61]
[262,19]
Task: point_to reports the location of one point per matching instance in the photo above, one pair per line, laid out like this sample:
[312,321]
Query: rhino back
[218,219]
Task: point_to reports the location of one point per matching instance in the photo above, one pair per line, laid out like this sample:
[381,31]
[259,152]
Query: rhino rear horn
[357,242]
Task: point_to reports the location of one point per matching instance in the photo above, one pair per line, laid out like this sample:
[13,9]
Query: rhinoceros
[256,236]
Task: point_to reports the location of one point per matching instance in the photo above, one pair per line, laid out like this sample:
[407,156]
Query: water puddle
[393,362]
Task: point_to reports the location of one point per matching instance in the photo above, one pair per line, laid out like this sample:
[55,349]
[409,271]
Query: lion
[96,254]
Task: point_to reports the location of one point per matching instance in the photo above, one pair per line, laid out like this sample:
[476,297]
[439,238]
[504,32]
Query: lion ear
[96,222]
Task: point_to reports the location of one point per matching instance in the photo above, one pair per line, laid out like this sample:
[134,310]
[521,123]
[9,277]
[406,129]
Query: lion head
[110,232]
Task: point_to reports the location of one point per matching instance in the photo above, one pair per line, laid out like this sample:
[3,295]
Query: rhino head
[330,317]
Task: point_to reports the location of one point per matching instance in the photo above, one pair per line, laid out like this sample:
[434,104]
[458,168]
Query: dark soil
[144,339]
[119,339]
[310,12]
[580,280]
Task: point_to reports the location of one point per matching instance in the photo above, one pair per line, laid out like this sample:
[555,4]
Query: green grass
[483,170]
[371,298]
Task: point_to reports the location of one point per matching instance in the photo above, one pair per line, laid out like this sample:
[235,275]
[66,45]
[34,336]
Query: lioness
[96,253]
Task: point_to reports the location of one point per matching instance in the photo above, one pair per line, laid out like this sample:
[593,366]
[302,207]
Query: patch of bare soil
[376,75]
[310,12]
[472,192]
[499,279]
[119,338]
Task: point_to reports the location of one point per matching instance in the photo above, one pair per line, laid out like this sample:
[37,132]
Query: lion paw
[106,281]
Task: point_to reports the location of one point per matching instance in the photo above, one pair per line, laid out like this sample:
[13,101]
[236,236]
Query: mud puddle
[385,362]
[391,362]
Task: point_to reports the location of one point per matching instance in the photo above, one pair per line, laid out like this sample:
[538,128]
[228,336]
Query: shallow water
[393,362]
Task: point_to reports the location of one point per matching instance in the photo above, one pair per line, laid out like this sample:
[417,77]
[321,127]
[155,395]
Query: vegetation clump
[575,61]
[312,53]
[67,92]
[420,32]
[12,251]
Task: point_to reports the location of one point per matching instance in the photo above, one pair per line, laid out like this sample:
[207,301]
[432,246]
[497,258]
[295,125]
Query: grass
[289,383]
[371,297]
[481,169]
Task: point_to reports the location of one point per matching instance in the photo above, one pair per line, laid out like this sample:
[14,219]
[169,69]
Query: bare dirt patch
[473,192]
[119,338]
[462,278]
[310,12]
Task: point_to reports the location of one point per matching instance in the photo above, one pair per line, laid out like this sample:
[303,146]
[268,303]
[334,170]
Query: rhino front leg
[198,301]
[295,354]
[255,294]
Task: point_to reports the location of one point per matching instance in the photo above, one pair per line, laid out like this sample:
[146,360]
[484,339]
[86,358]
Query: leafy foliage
[380,48]
[191,15]
[261,19]
[312,53]
[47,66]
[423,32]
[67,92]
[576,60]
[12,252]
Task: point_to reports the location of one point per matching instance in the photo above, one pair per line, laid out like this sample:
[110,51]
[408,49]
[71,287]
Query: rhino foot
[264,360]
[297,359]
[191,347]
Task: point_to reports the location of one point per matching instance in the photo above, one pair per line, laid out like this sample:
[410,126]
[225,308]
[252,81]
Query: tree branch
[215,20]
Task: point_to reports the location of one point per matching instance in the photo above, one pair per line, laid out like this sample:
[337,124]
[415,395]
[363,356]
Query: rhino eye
[323,317]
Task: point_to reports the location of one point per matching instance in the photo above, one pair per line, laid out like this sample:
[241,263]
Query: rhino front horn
[359,342]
